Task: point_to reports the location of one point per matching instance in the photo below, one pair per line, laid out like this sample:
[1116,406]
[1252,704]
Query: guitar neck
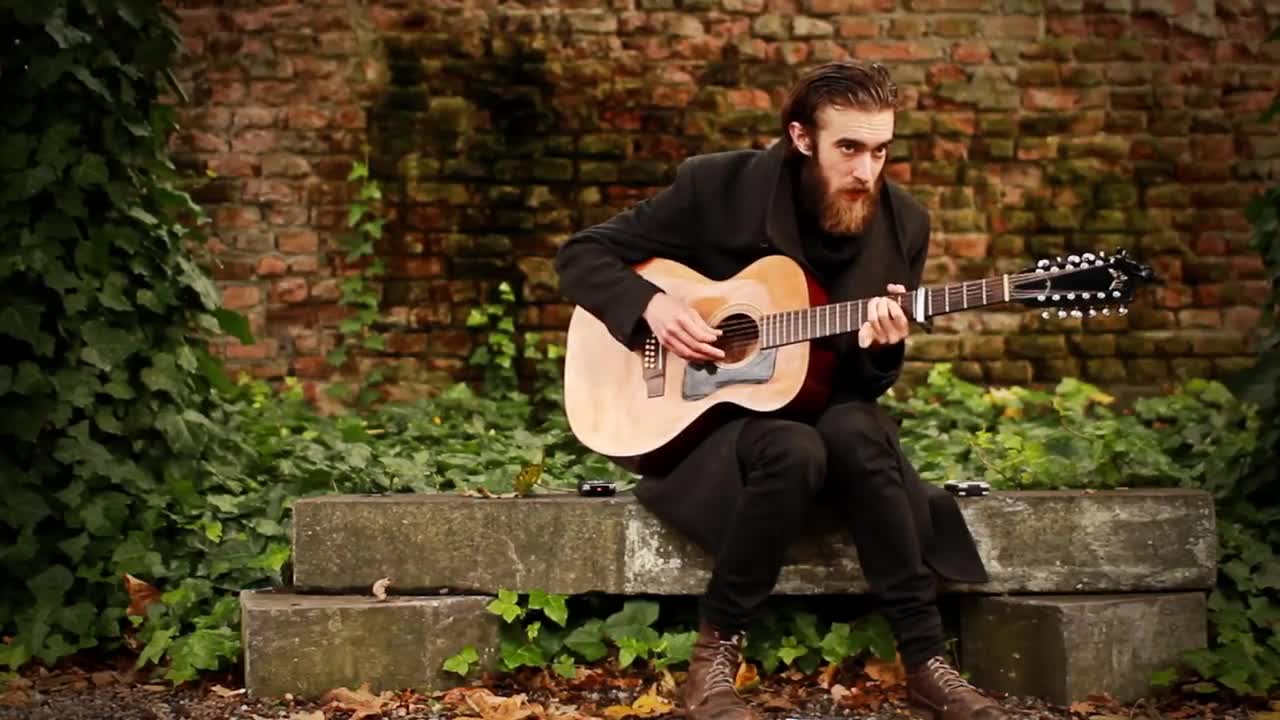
[793,326]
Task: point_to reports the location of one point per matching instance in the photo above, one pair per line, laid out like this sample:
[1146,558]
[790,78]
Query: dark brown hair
[843,84]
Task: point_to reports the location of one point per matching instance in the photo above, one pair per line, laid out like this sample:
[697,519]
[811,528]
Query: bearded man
[819,196]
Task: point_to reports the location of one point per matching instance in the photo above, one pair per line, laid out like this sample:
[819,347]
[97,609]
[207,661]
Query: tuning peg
[1115,293]
[1042,264]
[1076,314]
[1045,314]
[1124,310]
[1092,312]
[1042,297]
[1073,258]
[1102,253]
[1062,314]
[1071,296]
[1089,256]
[1106,311]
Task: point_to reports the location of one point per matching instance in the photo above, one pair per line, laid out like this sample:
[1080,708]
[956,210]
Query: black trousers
[846,457]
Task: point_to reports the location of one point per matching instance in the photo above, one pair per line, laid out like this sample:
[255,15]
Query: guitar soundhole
[739,339]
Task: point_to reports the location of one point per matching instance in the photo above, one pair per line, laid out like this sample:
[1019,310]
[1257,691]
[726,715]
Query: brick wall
[1033,128]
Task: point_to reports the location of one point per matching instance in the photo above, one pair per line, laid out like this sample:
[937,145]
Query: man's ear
[800,138]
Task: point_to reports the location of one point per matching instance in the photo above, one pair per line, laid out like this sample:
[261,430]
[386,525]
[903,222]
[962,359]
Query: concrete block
[307,644]
[1062,648]
[1032,542]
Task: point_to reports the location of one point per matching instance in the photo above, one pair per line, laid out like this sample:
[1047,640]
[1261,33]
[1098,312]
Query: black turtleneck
[829,254]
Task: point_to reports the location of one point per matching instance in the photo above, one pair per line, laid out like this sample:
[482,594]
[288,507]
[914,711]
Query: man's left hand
[886,324]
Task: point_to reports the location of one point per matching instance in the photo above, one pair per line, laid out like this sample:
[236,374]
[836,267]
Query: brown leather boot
[937,692]
[708,692]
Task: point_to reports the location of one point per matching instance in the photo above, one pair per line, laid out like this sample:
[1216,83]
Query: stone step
[1063,648]
[310,644]
[1032,542]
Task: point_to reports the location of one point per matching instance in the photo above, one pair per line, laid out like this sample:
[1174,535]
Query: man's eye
[881,151]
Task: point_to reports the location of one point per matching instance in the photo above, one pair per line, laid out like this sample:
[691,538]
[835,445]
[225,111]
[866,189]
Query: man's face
[842,173]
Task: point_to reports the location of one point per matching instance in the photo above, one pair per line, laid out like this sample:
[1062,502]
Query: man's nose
[862,169]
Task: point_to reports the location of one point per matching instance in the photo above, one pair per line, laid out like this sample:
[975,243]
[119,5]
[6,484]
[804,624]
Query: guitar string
[963,292]
[778,319]
[746,331]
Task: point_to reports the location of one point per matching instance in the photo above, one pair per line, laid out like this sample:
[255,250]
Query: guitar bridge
[654,362]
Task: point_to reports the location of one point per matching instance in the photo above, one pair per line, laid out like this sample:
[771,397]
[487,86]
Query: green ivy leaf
[91,170]
[175,431]
[565,667]
[462,661]
[234,324]
[21,319]
[588,640]
[506,605]
[15,148]
[164,376]
[550,604]
[106,346]
[632,620]
[49,587]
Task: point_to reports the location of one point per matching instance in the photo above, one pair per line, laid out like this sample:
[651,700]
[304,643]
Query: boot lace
[947,677]
[724,665]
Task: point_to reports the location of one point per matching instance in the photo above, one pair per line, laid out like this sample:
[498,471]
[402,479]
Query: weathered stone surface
[1062,648]
[308,644]
[1035,541]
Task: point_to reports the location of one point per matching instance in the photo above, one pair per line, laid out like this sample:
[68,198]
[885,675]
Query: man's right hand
[681,330]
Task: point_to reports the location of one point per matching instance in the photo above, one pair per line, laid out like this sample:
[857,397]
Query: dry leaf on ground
[746,676]
[380,588]
[225,692]
[839,692]
[141,594]
[361,702]
[494,707]
[827,674]
[888,674]
[650,704]
[104,678]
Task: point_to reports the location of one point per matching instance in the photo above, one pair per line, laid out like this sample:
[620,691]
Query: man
[819,196]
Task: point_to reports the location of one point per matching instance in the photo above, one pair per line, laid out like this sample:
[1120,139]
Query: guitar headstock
[1081,285]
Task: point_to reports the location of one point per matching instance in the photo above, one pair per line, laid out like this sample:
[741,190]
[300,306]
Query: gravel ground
[112,695]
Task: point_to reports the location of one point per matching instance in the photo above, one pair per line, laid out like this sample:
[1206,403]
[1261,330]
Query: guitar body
[646,408]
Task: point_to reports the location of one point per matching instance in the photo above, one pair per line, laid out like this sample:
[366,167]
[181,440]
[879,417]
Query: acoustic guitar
[645,407]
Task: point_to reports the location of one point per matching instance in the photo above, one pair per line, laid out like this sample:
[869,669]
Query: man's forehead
[871,127]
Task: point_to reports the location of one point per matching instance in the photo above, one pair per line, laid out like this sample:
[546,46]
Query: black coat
[723,212]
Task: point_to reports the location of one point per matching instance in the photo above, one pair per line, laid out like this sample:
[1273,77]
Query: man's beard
[835,212]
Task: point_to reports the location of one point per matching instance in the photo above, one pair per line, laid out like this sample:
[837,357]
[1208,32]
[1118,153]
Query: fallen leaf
[839,692]
[156,688]
[361,702]
[746,676]
[1109,717]
[888,674]
[769,701]
[104,678]
[313,715]
[1084,708]
[15,698]
[141,594]
[493,707]
[650,704]
[225,692]
[827,674]
[667,681]
[380,588]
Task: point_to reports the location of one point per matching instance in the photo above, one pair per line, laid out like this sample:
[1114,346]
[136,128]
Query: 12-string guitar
[644,407]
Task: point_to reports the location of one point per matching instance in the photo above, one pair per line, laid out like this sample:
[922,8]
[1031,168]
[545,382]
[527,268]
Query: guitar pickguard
[702,379]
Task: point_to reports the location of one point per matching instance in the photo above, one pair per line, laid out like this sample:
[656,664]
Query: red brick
[451,342]
[285,166]
[303,264]
[1242,319]
[255,141]
[272,265]
[407,343]
[241,296]
[353,118]
[326,289]
[858,27]
[258,351]
[254,117]
[415,267]
[1022,27]
[269,191]
[307,118]
[297,241]
[233,165]
[1174,296]
[236,217]
[286,215]
[972,245]
[289,290]
[1247,266]
[970,52]
[311,366]
[882,50]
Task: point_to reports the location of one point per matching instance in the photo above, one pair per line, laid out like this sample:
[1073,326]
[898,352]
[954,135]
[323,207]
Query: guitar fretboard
[793,326]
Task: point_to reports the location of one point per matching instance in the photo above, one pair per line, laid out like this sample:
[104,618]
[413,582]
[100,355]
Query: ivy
[360,293]
[105,382]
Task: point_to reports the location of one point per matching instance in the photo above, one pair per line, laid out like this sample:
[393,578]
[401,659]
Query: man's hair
[843,84]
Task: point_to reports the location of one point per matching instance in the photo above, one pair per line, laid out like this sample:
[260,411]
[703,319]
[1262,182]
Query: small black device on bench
[596,488]
[967,488]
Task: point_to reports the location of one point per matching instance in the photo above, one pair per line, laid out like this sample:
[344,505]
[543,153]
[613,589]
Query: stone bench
[1090,590]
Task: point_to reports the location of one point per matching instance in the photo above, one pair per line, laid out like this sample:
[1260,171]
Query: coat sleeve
[594,265]
[878,369]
